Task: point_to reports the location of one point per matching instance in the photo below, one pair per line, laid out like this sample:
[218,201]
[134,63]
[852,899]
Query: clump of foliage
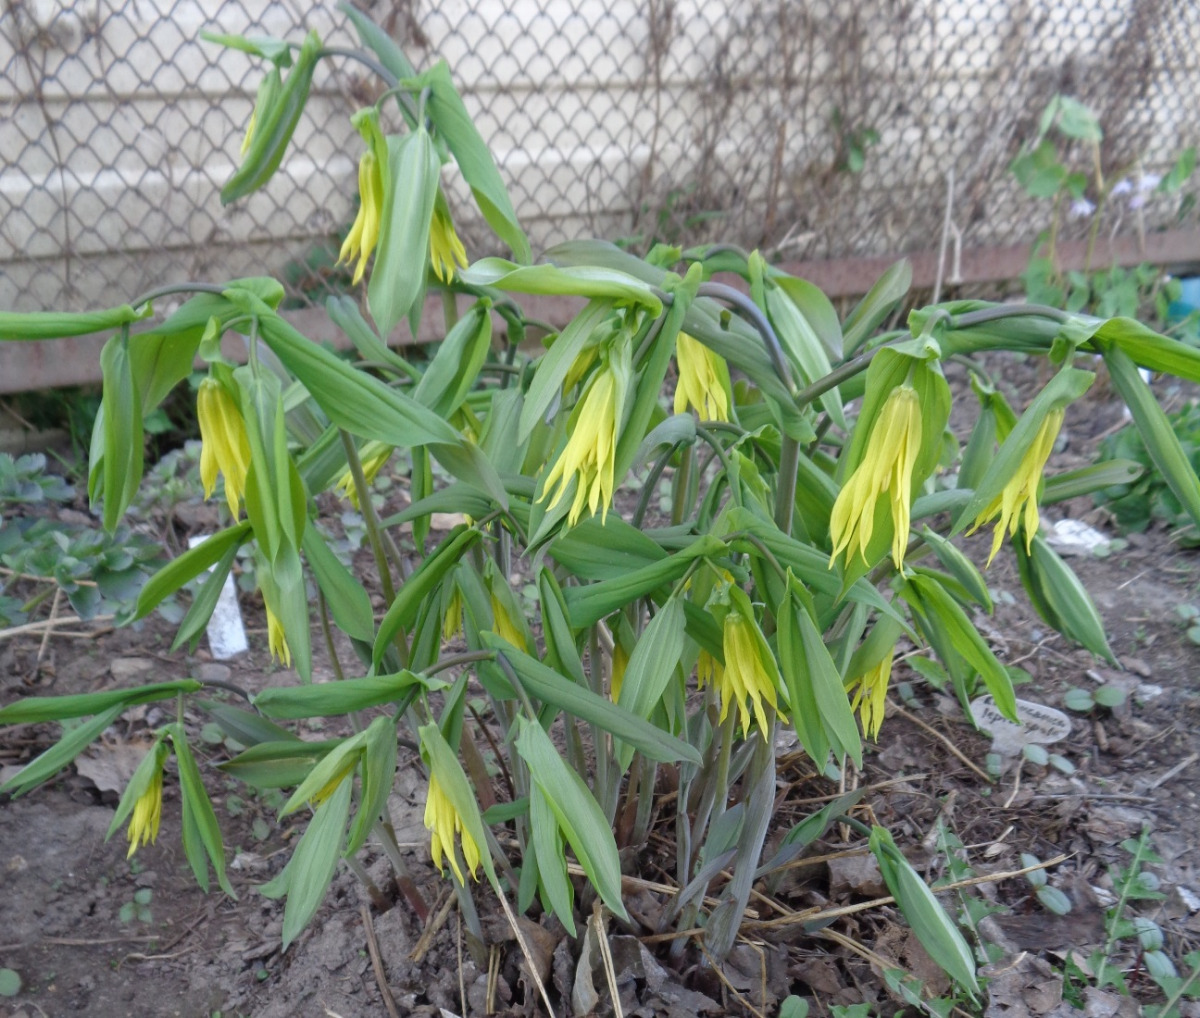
[588,652]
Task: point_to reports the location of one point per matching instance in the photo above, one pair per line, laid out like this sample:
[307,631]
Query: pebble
[213,672]
[124,669]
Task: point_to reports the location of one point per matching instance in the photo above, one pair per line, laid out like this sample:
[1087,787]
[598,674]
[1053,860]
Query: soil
[85,937]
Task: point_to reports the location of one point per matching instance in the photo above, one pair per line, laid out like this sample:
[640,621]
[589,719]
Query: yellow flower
[373,456]
[590,452]
[147,813]
[886,466]
[452,622]
[745,674]
[443,821]
[703,380]
[277,639]
[444,246]
[224,447]
[620,661]
[364,233]
[1017,503]
[503,625]
[870,695]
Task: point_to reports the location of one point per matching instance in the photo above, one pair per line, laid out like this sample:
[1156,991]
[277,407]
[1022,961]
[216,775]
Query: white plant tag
[1040,725]
[226,633]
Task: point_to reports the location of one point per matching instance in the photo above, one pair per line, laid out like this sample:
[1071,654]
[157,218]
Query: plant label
[1040,725]
[226,633]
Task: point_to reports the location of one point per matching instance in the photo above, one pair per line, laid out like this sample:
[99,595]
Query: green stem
[683,479]
[387,838]
[754,315]
[711,440]
[992,314]
[166,291]
[785,489]
[651,484]
[465,658]
[835,378]
[449,310]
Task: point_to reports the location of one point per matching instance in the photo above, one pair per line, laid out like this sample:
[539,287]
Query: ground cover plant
[579,665]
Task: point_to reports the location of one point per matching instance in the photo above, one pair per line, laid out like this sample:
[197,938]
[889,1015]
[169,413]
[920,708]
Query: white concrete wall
[564,90]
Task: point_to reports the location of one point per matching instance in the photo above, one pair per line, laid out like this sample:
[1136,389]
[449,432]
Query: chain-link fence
[811,128]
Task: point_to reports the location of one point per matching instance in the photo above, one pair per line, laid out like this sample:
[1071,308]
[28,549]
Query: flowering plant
[797,550]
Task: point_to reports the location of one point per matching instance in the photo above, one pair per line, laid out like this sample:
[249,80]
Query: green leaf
[282,764]
[452,121]
[343,312]
[33,709]
[549,858]
[804,349]
[60,754]
[199,811]
[402,258]
[959,566]
[651,667]
[347,599]
[579,817]
[188,566]
[927,596]
[934,929]
[1161,441]
[889,290]
[402,612]
[455,366]
[245,726]
[205,601]
[1071,610]
[342,697]
[123,447]
[353,399]
[378,41]
[816,308]
[378,777]
[15,327]
[308,873]
[550,687]
[554,365]
[1149,349]
[570,281]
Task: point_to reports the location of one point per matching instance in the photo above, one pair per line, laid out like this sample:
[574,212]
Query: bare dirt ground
[91,933]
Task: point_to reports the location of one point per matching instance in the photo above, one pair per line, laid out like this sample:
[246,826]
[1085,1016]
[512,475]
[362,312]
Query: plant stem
[836,377]
[166,291]
[1008,311]
[387,838]
[753,314]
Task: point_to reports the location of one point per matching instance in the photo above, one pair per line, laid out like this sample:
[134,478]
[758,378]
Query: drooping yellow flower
[452,621]
[1017,503]
[277,639]
[373,456]
[746,675]
[224,447]
[870,694]
[703,380]
[590,453]
[364,233]
[504,626]
[620,661]
[147,813]
[445,249]
[886,466]
[443,822]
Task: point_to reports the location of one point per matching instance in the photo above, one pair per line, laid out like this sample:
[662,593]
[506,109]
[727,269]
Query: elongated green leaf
[591,603]
[205,601]
[550,687]
[572,281]
[402,612]
[889,290]
[959,566]
[306,877]
[339,697]
[554,365]
[354,400]
[934,929]
[804,348]
[579,817]
[1149,349]
[651,666]
[1159,437]
[245,726]
[282,764]
[811,302]
[33,709]
[455,366]
[49,763]
[346,597]
[343,312]
[605,550]
[452,121]
[378,776]
[198,806]
[17,327]
[402,258]
[932,599]
[561,652]
[1073,612]
[334,767]
[1090,479]
[123,450]
[379,42]
[549,859]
